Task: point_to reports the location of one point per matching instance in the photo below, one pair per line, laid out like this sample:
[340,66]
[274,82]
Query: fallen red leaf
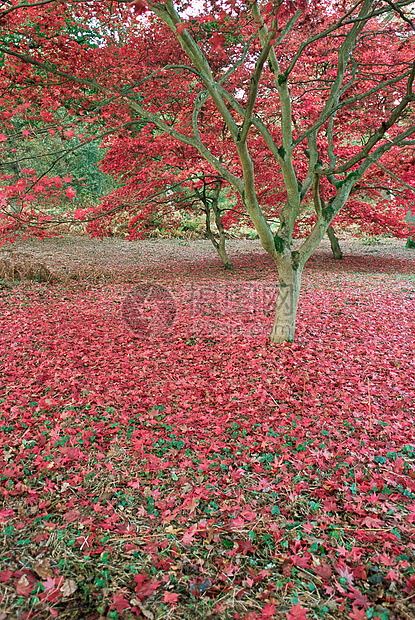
[297,613]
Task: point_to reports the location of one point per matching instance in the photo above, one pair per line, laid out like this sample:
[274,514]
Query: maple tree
[295,87]
[165,177]
[158,178]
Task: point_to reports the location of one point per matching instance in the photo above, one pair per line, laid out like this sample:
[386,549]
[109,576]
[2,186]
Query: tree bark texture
[286,305]
[335,245]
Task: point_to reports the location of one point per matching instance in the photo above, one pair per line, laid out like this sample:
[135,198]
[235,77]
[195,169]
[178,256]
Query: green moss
[328,212]
[282,77]
[279,244]
[295,259]
[351,176]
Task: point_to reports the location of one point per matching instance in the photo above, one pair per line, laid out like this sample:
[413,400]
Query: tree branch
[253,91]
[379,134]
[410,187]
[323,118]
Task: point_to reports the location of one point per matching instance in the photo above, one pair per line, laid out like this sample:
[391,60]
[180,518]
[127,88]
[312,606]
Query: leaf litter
[200,471]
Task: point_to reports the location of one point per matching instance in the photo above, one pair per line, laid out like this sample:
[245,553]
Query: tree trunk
[219,247]
[222,237]
[289,275]
[224,257]
[334,242]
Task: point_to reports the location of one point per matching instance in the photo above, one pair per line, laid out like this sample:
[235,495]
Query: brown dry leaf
[173,530]
[21,511]
[146,613]
[42,568]
[192,506]
[68,587]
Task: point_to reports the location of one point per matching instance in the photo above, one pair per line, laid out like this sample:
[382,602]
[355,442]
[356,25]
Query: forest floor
[160,458]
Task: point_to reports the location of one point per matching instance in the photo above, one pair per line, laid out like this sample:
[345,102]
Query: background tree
[298,91]
[158,178]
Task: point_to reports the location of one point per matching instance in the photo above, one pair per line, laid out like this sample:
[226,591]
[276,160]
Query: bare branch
[343,21]
[398,9]
[168,14]
[253,91]
[390,173]
[316,195]
[150,117]
[379,134]
[323,118]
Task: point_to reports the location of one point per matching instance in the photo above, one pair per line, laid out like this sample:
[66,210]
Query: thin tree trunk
[319,205]
[219,247]
[335,245]
[224,257]
[289,275]
[222,237]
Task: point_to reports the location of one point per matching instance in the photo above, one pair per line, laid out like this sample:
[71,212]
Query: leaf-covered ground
[194,470]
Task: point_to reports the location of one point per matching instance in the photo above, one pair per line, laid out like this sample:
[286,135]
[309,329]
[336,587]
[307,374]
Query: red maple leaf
[268,611]
[145,587]
[25,583]
[297,613]
[345,572]
[139,7]
[189,535]
[70,192]
[6,513]
[323,570]
[410,585]
[217,41]
[72,515]
[119,603]
[359,598]
[357,614]
[372,522]
[392,575]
